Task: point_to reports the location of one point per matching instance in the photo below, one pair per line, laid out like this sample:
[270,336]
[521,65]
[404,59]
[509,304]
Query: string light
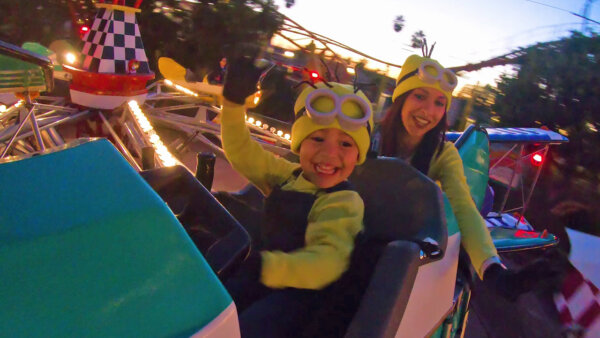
[70,58]
[181,88]
[163,153]
[4,110]
[257,97]
[249,120]
[257,123]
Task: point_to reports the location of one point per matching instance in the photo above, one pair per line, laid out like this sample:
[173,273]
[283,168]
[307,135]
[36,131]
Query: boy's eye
[317,138]
[346,144]
[439,103]
[420,96]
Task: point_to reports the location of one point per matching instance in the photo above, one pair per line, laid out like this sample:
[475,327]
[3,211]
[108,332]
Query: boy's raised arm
[259,166]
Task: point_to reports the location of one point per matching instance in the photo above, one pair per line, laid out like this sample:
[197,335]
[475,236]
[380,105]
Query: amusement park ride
[89,246]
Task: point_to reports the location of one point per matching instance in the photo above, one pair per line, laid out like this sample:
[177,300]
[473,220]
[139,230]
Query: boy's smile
[328,157]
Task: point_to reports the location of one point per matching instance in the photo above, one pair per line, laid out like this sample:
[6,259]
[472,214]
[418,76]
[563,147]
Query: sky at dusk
[466,31]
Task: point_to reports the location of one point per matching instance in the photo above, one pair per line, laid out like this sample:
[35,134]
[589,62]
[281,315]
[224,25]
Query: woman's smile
[421,122]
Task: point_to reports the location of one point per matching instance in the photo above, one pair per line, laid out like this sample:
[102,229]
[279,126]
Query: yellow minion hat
[420,71]
[305,125]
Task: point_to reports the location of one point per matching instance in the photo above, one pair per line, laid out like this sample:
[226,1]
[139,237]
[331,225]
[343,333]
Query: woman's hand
[510,284]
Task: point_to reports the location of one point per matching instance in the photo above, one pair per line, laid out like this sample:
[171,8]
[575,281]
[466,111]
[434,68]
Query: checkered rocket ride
[114,68]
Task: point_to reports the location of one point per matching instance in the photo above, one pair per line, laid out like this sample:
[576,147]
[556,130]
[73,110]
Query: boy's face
[327,157]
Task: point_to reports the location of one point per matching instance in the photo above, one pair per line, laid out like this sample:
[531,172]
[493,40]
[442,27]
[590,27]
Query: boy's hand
[241,79]
[252,266]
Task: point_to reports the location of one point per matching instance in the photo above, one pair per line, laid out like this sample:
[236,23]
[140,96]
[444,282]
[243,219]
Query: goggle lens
[450,80]
[430,73]
[352,111]
[326,104]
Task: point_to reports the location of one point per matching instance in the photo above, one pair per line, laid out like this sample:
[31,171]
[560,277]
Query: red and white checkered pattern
[579,304]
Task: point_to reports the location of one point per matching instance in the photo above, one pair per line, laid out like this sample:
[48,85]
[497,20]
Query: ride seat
[403,212]
[391,285]
[23,71]
[87,248]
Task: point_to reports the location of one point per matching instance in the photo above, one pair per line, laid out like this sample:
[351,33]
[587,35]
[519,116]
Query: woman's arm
[261,167]
[333,223]
[448,169]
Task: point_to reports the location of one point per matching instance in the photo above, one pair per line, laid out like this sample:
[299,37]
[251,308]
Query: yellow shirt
[447,168]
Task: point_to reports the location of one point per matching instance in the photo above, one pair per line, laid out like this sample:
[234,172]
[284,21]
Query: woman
[414,130]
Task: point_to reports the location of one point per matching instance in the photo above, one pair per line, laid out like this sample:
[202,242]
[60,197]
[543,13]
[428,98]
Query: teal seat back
[474,149]
[87,248]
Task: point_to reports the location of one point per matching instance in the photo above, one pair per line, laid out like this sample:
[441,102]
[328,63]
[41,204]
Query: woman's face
[422,111]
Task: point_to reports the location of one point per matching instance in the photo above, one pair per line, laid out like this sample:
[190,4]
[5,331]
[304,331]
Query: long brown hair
[392,126]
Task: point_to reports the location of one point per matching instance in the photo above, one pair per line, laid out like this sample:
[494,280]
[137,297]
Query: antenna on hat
[431,50]
[425,49]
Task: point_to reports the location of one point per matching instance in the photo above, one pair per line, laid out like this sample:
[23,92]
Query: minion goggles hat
[333,105]
[421,71]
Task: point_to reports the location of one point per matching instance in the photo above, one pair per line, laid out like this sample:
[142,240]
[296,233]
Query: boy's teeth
[325,169]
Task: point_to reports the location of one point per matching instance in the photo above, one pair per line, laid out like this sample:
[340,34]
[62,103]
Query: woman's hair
[392,127]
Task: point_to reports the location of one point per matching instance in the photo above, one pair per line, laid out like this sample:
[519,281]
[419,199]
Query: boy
[311,213]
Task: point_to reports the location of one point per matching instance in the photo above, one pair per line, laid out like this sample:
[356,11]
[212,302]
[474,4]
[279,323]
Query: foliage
[195,34]
[398,23]
[478,101]
[558,85]
[198,35]
[417,39]
[42,21]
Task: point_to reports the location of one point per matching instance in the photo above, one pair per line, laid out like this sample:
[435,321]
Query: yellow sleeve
[475,237]
[261,167]
[333,222]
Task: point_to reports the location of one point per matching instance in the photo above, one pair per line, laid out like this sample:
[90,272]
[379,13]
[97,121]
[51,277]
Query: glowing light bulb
[70,58]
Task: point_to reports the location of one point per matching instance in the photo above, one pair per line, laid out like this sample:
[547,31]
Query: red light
[83,30]
[537,159]
[314,75]
[526,234]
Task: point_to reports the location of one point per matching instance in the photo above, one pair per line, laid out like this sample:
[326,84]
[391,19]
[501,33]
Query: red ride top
[122,3]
